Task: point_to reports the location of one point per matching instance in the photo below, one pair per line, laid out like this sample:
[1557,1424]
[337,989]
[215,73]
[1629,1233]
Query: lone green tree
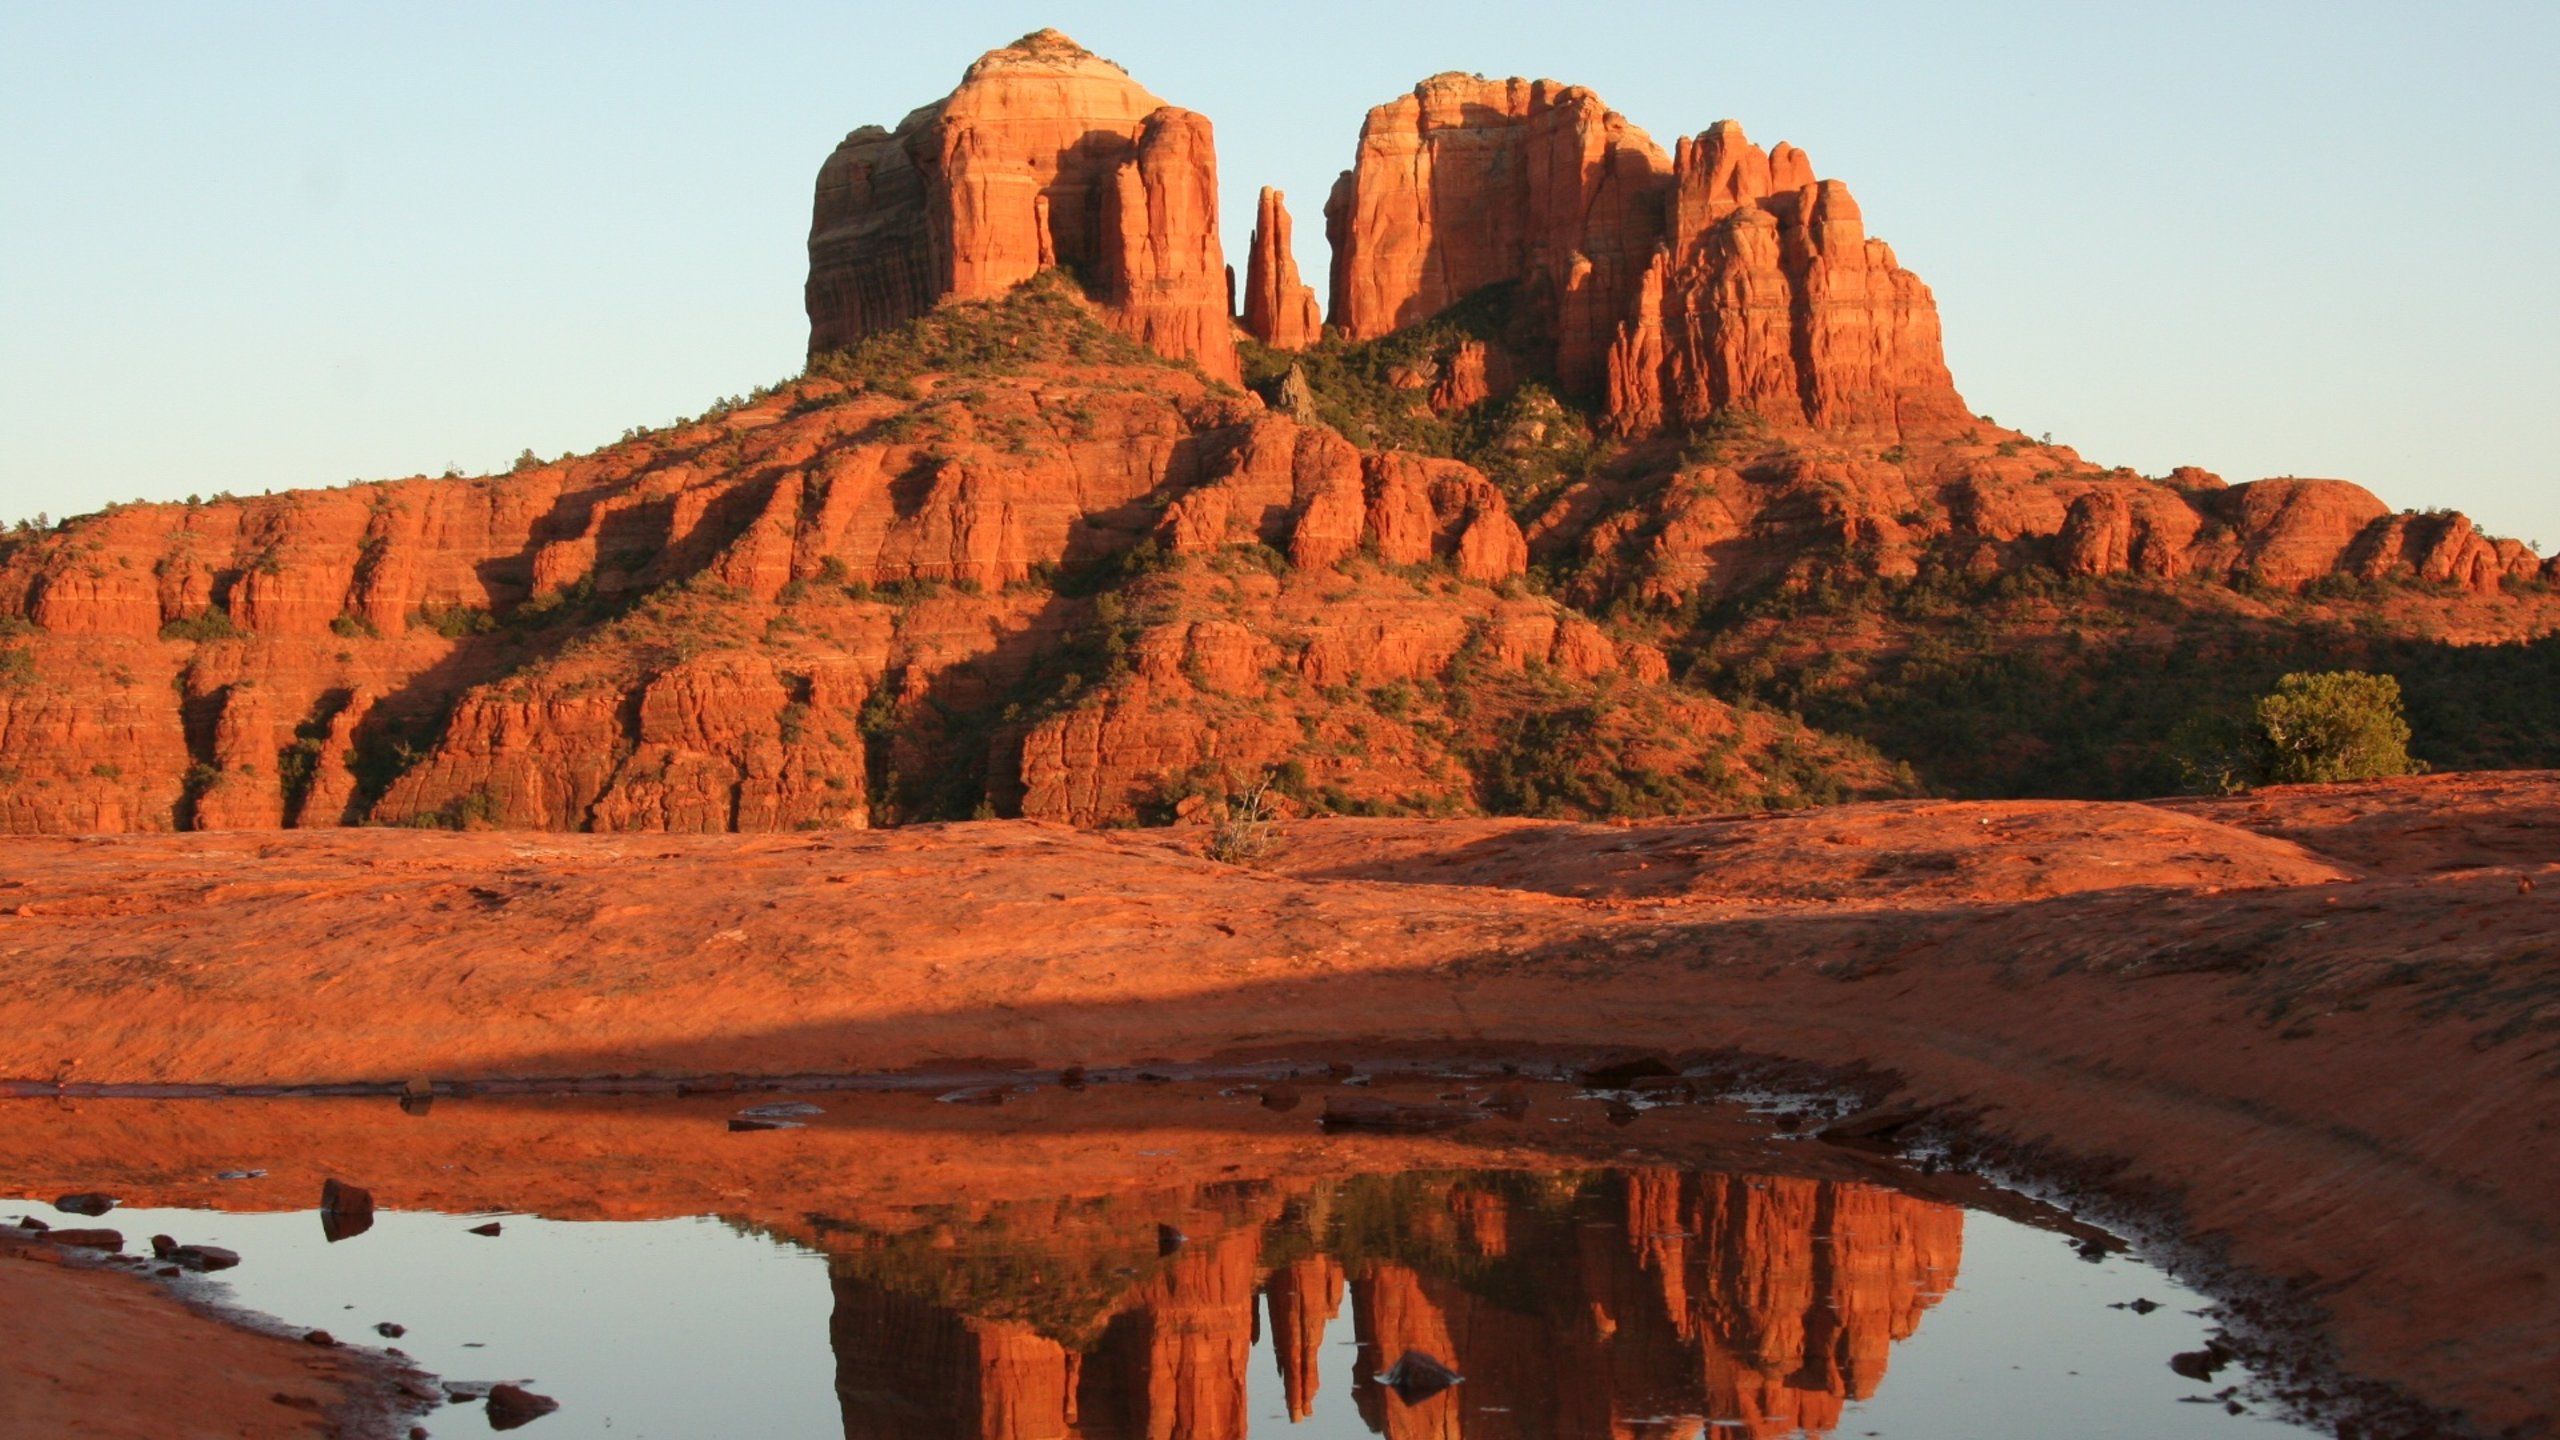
[2313,728]
[2334,725]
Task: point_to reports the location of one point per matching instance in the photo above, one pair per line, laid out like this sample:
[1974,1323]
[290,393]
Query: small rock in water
[739,1126]
[390,1331]
[788,1110]
[87,1239]
[492,1229]
[511,1406]
[2142,1306]
[88,1202]
[346,1211]
[163,1246]
[32,1224]
[1416,1377]
[205,1257]
[2200,1365]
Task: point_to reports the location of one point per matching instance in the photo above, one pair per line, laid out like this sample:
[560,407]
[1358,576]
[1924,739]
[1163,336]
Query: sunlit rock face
[1046,156]
[1671,287]
[1575,1305]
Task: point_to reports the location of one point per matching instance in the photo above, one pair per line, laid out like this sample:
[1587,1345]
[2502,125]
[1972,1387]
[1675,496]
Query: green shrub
[2313,728]
[213,624]
[453,622]
[2334,725]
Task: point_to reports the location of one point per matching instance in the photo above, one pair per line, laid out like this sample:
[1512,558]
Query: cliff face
[1467,183]
[1046,156]
[1721,277]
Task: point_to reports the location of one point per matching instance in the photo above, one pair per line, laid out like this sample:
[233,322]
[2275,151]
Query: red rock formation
[1046,156]
[1467,183]
[1722,277]
[1767,296]
[1279,309]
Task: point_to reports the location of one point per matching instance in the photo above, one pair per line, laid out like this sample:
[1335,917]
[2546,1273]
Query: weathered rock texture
[1279,309]
[1082,585]
[1674,287]
[1046,156]
[1758,508]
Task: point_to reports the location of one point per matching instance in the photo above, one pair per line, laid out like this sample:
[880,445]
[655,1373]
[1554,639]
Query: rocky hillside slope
[1606,469]
[1001,560]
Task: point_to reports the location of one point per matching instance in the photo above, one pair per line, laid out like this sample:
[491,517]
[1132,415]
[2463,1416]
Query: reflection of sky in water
[686,1328]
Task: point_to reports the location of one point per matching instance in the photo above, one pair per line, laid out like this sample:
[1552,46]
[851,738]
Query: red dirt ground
[2317,1025]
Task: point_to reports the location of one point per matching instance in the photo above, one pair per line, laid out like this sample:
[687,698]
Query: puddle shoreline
[2295,1369]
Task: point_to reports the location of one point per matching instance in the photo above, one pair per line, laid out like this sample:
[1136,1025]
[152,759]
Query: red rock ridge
[1046,156]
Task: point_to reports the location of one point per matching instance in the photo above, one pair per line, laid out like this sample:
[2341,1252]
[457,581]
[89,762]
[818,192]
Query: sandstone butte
[1046,156]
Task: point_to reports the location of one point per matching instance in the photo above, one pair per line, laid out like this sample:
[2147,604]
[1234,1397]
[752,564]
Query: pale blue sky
[251,246]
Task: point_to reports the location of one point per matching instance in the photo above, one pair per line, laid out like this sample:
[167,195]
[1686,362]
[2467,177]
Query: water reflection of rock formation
[1632,1304]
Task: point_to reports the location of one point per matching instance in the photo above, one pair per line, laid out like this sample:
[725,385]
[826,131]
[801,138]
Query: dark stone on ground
[205,1257]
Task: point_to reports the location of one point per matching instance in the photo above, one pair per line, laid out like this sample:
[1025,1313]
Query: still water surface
[1660,1302]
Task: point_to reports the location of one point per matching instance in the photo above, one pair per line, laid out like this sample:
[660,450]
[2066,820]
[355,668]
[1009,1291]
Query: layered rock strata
[1047,156]
[1671,287]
